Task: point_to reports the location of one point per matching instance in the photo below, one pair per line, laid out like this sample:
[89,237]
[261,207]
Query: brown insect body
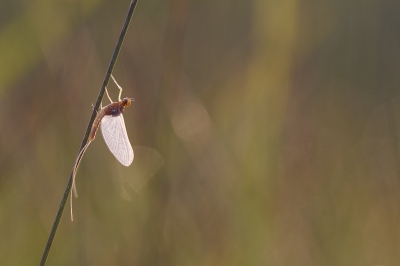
[114,133]
[113,109]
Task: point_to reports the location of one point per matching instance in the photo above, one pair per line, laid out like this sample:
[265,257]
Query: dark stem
[86,136]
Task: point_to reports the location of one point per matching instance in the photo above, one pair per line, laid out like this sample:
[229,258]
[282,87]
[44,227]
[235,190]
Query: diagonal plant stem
[86,136]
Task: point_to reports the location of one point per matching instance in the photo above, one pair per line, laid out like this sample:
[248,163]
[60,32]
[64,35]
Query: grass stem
[86,136]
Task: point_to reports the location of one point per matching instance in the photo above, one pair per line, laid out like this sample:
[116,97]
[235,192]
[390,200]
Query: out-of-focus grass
[265,133]
[32,32]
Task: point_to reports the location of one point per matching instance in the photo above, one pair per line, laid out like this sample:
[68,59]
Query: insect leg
[108,95]
[119,87]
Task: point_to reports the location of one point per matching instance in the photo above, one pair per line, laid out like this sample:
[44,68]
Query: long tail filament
[75,169]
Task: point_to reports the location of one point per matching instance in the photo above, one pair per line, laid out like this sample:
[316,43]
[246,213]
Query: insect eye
[127,102]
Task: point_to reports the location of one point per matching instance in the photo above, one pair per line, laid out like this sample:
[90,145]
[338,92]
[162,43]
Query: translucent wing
[114,134]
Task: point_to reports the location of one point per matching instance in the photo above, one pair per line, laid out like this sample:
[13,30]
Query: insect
[112,125]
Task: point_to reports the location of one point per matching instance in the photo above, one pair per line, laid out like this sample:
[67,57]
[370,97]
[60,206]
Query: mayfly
[112,125]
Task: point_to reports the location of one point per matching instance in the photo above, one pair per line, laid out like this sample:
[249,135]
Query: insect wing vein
[114,134]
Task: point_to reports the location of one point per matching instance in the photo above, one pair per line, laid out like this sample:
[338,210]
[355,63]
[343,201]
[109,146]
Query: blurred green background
[265,132]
